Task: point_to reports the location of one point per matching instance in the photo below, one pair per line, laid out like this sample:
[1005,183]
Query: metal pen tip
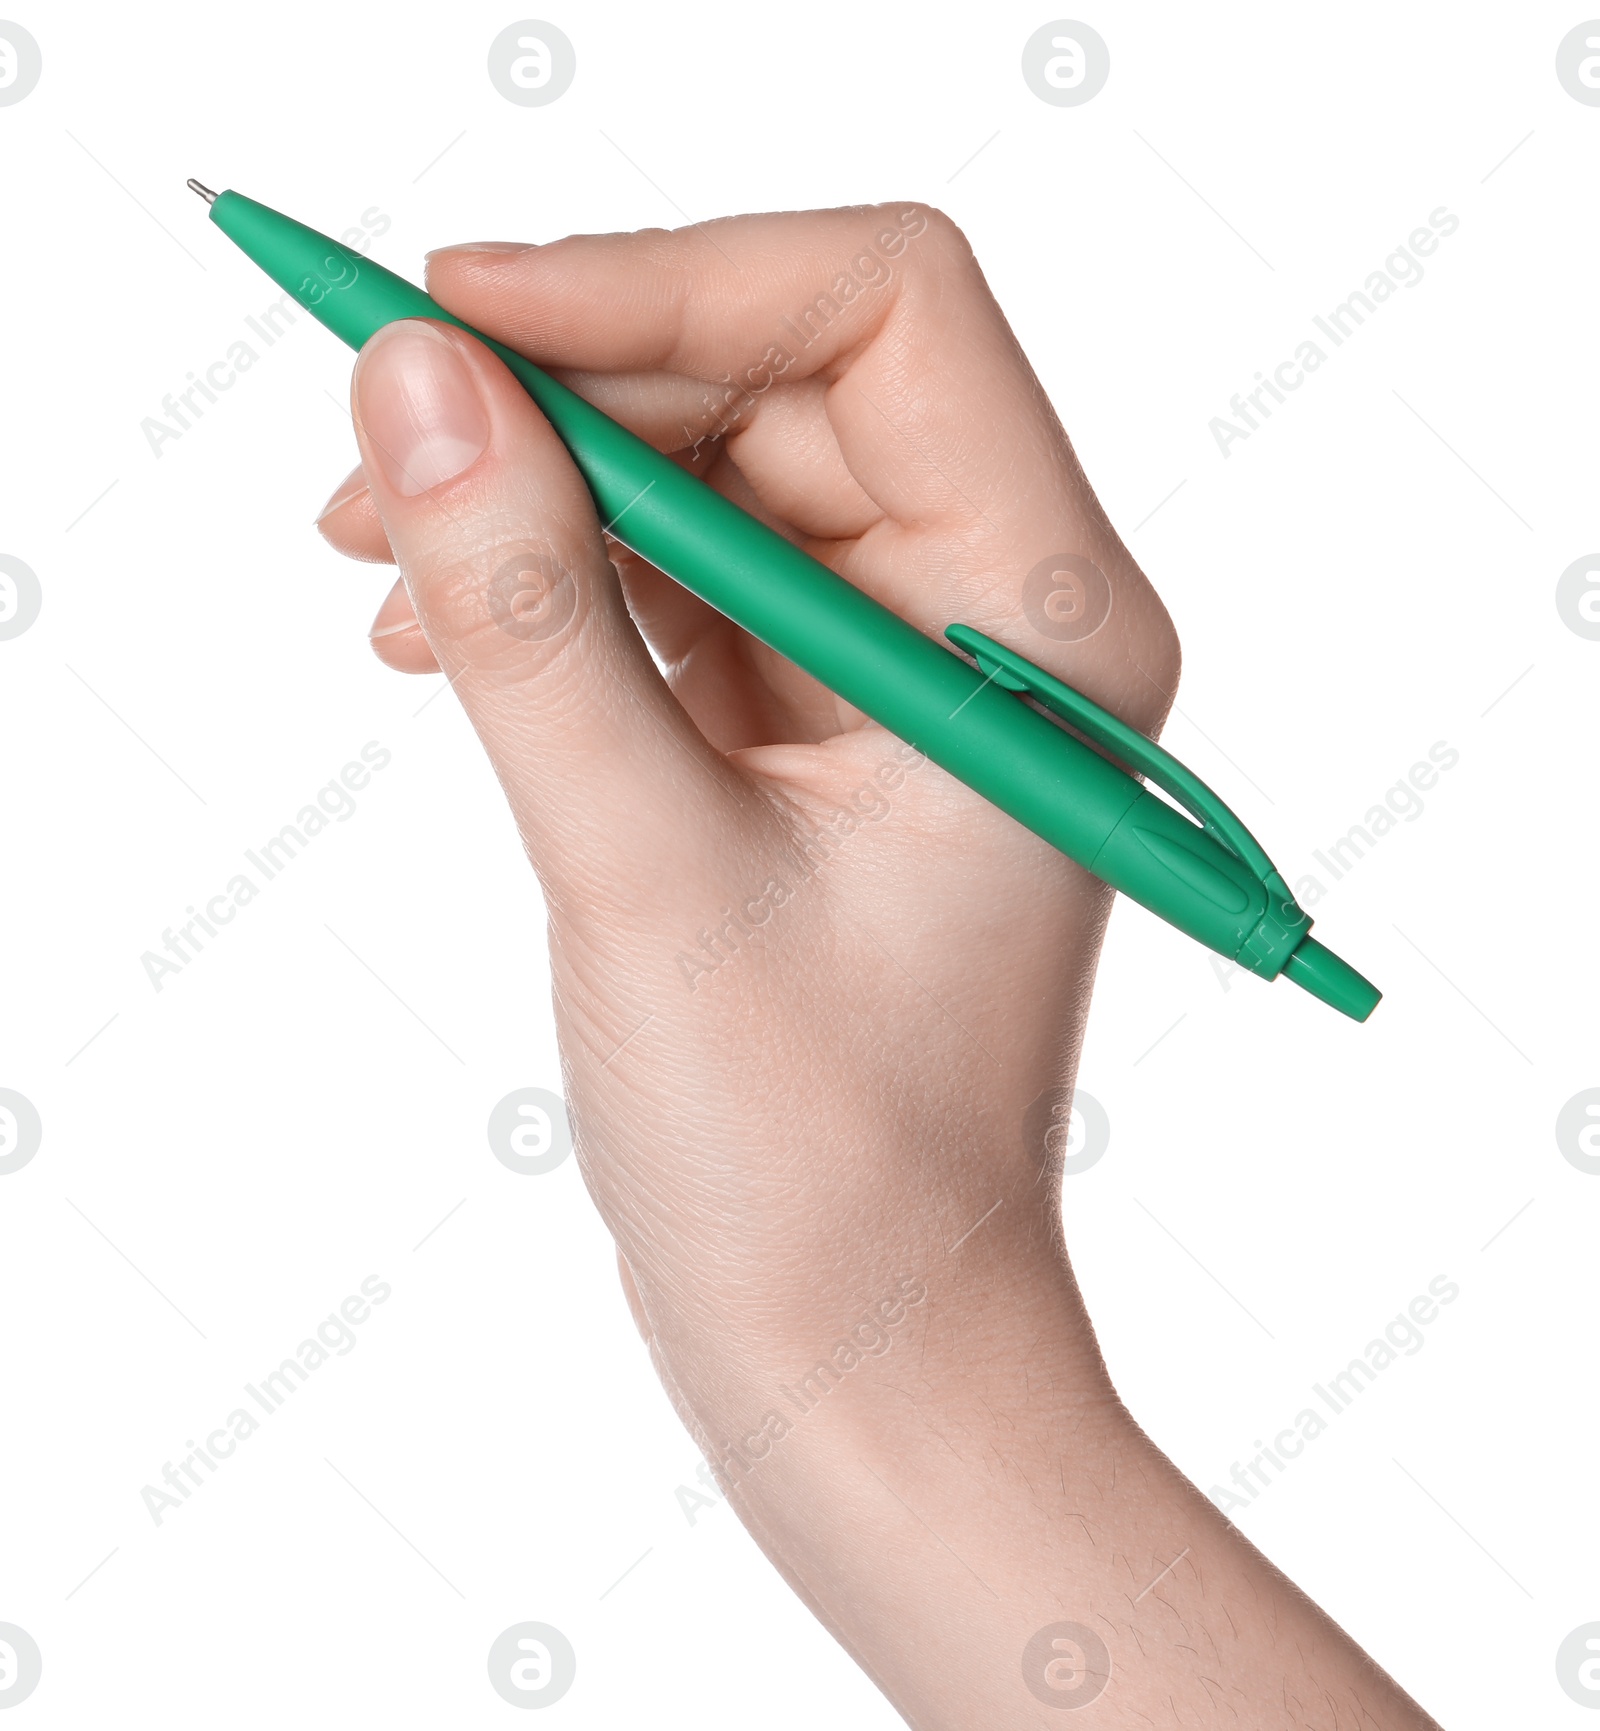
[204,191]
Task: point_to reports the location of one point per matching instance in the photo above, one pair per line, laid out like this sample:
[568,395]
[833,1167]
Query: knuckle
[945,237]
[1164,652]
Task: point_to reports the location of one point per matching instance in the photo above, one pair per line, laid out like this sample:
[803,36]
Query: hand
[816,999]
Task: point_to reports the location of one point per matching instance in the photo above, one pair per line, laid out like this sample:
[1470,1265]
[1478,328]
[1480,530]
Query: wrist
[991,1365]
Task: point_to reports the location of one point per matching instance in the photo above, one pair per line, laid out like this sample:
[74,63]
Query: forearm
[980,1523]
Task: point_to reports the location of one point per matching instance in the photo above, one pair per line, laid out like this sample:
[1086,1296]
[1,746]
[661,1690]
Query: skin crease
[831,1125]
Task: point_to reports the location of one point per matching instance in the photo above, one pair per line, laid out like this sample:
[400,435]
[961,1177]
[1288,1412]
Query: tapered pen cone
[1319,971]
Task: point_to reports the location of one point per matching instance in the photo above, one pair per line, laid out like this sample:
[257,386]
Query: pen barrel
[983,734]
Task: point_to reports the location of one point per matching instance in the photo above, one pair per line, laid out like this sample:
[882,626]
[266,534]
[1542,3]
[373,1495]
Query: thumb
[497,540]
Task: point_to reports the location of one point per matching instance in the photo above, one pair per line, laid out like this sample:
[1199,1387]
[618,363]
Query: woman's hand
[818,1003]
[800,1050]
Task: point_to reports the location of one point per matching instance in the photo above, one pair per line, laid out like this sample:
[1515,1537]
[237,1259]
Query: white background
[1371,572]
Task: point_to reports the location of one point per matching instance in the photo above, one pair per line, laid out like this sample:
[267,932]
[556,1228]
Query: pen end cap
[1320,972]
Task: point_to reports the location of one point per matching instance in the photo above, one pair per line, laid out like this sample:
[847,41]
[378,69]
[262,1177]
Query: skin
[830,1120]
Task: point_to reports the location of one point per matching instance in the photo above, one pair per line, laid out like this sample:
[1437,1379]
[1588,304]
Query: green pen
[974,718]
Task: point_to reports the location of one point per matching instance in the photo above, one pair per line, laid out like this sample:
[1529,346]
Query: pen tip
[204,191]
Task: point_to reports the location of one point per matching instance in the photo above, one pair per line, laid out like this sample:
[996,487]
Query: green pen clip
[1270,947]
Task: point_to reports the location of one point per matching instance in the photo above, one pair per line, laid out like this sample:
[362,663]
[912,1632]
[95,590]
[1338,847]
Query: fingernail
[349,488]
[419,407]
[495,246]
[378,631]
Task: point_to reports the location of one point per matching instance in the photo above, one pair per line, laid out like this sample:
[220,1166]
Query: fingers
[506,570]
[692,301]
[704,654]
[685,334]
[693,329]
[857,370]
[396,637]
[349,522]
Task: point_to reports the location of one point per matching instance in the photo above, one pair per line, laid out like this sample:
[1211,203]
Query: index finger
[925,398]
[684,333]
[706,299]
